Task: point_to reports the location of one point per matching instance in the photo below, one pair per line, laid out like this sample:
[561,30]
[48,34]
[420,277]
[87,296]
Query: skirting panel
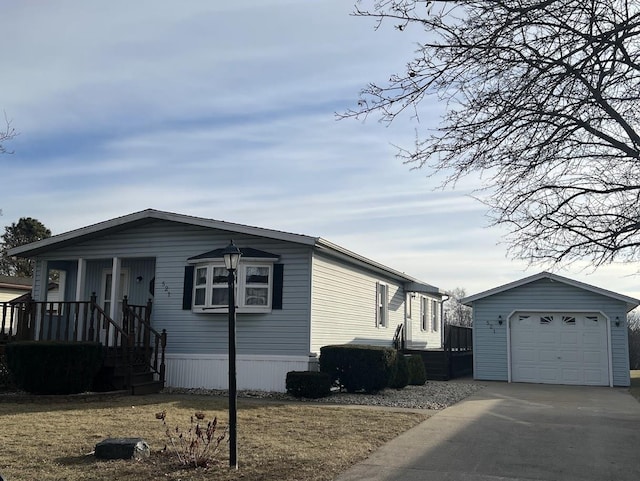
[260,373]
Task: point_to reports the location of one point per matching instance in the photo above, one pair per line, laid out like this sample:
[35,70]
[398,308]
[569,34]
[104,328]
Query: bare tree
[6,134]
[455,312]
[543,104]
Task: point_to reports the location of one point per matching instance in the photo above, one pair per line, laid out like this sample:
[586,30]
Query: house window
[407,305]
[434,315]
[200,287]
[382,304]
[56,291]
[424,313]
[254,283]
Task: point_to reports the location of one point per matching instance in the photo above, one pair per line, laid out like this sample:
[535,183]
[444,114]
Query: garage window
[569,320]
[546,319]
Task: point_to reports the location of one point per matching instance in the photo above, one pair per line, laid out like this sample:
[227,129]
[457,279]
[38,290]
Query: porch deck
[134,352]
[453,360]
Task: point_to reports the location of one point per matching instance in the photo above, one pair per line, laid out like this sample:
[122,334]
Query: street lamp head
[231,256]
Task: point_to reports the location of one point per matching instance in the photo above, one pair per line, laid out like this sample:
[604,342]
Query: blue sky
[225,110]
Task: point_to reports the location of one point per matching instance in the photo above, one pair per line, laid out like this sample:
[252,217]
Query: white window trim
[240,288]
[382,305]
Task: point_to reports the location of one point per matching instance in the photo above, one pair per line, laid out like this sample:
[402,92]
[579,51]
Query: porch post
[81,273]
[80,278]
[115,287]
[40,288]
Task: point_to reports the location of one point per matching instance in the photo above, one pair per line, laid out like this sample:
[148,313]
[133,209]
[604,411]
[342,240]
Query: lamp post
[231,256]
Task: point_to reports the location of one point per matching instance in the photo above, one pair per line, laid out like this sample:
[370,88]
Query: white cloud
[226,110]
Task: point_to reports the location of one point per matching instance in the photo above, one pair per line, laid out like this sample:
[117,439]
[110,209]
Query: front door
[107,288]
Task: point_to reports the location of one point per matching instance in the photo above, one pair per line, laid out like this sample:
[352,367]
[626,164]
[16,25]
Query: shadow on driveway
[518,432]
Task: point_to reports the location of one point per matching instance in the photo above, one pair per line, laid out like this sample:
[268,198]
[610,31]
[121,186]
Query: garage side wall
[490,338]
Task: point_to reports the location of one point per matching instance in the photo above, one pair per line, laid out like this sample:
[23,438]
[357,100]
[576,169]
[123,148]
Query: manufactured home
[156,280]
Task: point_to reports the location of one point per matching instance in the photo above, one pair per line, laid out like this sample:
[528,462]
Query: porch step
[151,387]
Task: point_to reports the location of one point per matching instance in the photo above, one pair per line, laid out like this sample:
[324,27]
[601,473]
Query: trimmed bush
[400,378]
[53,367]
[357,367]
[6,383]
[417,371]
[308,384]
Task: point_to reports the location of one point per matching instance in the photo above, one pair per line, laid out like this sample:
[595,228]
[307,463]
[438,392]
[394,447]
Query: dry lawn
[50,440]
[635,384]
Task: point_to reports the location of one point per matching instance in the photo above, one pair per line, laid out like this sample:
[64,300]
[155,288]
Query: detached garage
[552,330]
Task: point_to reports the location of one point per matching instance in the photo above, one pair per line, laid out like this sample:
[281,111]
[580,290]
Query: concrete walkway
[517,432]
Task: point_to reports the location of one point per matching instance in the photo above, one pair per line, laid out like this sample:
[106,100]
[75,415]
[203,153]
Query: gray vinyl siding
[344,305]
[490,338]
[280,332]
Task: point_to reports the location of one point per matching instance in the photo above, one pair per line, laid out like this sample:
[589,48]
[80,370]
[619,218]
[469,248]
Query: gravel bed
[432,395]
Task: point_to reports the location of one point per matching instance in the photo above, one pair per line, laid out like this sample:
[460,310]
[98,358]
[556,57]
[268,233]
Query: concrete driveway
[517,432]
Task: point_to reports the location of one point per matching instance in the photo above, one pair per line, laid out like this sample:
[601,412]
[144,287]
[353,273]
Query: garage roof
[631,302]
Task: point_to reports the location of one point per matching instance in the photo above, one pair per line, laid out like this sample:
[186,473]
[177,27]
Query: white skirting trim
[211,371]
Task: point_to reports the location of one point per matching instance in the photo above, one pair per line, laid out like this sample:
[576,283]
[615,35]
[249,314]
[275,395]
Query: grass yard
[635,384]
[50,440]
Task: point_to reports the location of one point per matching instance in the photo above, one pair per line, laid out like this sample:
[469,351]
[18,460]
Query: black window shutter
[278,277]
[187,294]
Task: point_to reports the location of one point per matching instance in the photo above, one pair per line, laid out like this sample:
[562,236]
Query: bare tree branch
[6,134]
[543,103]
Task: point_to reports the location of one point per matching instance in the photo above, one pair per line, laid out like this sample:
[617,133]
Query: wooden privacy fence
[457,338]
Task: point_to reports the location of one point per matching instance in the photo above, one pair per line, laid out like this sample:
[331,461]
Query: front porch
[134,352]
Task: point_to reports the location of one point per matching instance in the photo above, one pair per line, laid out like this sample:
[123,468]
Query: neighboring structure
[13,287]
[295,293]
[550,329]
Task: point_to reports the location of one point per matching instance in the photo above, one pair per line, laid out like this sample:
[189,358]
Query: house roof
[11,282]
[151,215]
[630,301]
[247,253]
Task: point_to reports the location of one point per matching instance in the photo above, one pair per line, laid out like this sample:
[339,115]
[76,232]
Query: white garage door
[559,348]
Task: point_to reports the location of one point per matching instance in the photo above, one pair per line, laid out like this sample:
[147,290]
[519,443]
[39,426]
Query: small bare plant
[198,446]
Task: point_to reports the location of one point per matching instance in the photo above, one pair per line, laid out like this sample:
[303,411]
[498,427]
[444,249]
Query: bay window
[254,285]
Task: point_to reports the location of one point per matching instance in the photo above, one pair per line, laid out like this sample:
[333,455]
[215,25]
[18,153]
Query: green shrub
[417,371]
[53,367]
[401,373]
[308,384]
[358,368]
